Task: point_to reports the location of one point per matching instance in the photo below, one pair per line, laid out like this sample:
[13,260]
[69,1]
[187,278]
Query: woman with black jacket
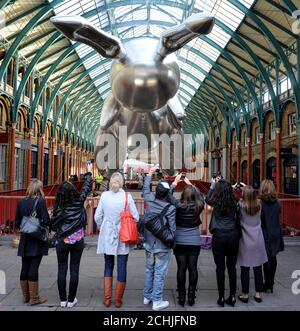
[270,223]
[32,250]
[187,238]
[224,226]
[69,221]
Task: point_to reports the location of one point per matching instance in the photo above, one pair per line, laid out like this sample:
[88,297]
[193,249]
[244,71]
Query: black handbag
[53,242]
[160,230]
[32,227]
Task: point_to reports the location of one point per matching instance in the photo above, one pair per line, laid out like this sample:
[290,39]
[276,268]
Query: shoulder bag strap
[126,201]
[163,213]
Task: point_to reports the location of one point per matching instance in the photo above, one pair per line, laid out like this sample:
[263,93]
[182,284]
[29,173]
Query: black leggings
[225,250]
[63,250]
[184,263]
[30,268]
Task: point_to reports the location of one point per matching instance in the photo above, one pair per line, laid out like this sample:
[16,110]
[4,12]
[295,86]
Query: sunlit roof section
[134,19]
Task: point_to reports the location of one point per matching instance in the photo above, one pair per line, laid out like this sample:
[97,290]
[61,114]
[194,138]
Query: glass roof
[132,18]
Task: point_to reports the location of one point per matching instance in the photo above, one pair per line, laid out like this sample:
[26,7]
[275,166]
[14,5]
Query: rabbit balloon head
[144,75]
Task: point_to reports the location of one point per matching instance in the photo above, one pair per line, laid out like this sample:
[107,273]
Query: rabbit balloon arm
[80,29]
[175,38]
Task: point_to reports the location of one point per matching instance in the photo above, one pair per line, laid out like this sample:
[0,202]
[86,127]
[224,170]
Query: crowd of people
[245,232]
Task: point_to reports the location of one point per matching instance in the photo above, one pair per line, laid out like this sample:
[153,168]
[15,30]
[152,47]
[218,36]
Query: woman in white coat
[107,217]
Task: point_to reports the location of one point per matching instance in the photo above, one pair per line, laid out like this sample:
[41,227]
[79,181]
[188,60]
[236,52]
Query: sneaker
[63,304]
[159,305]
[72,304]
[146,301]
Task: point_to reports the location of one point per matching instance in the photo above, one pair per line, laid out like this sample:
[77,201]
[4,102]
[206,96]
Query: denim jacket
[153,207]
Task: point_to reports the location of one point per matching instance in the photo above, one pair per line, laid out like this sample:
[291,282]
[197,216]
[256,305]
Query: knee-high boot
[25,290]
[107,291]
[34,294]
[120,288]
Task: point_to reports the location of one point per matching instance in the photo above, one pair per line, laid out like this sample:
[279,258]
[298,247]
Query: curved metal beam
[205,113]
[73,86]
[31,24]
[29,70]
[235,91]
[78,109]
[3,3]
[231,60]
[220,107]
[62,80]
[45,79]
[211,109]
[80,93]
[278,48]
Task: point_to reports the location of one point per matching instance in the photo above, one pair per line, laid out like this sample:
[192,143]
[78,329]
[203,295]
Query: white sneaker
[146,301]
[63,304]
[72,304]
[159,305]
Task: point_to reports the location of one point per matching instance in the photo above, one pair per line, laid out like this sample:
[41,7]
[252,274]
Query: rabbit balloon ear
[175,38]
[79,29]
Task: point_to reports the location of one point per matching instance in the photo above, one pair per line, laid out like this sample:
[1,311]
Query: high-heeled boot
[181,296]
[231,300]
[191,295]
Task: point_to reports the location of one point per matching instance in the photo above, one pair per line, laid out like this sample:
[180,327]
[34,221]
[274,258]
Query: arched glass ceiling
[132,19]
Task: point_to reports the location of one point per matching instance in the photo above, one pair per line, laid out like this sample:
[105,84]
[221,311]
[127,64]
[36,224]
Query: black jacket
[29,247]
[71,218]
[270,223]
[186,217]
[225,222]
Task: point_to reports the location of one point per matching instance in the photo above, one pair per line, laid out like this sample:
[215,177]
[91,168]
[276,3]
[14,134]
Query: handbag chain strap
[33,213]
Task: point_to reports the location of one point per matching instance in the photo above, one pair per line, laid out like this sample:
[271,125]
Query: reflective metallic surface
[144,76]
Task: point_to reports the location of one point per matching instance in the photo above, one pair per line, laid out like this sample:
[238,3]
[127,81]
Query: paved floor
[90,287]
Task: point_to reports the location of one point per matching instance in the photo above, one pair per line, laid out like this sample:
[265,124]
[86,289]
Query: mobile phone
[183,175]
[158,168]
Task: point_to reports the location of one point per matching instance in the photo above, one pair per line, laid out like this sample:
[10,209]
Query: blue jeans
[155,274]
[121,268]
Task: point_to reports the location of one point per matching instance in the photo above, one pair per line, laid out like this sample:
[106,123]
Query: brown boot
[34,294]
[120,288]
[25,290]
[107,291]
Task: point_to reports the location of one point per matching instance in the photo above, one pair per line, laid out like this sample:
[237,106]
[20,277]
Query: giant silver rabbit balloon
[144,77]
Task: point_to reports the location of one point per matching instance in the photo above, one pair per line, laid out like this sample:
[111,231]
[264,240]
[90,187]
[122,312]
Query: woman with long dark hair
[69,221]
[30,249]
[270,222]
[224,227]
[187,238]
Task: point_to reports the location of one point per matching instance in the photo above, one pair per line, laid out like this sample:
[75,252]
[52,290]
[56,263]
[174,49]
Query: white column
[210,166]
[224,162]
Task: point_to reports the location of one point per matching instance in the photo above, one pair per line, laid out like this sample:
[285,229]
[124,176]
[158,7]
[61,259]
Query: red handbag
[128,230]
